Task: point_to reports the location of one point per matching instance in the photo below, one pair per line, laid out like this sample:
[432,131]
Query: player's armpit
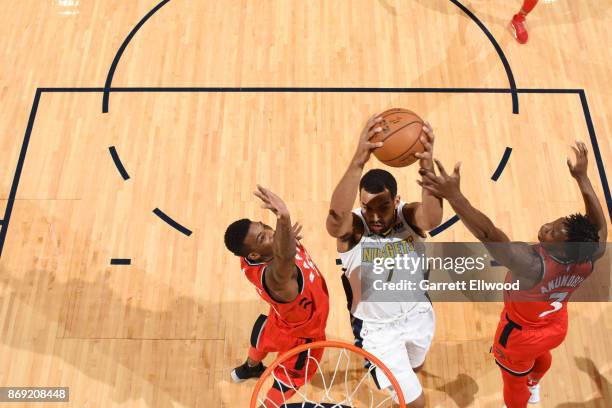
[521,258]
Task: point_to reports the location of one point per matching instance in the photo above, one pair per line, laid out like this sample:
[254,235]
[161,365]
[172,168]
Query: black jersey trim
[505,334]
[258,328]
[346,285]
[514,373]
[300,279]
[251,263]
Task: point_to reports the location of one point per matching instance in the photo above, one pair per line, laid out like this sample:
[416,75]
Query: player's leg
[253,366]
[541,366]
[278,395]
[528,5]
[515,351]
[517,24]
[418,332]
[293,374]
[385,342]
[516,393]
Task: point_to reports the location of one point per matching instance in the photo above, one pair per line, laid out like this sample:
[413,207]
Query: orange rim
[327,344]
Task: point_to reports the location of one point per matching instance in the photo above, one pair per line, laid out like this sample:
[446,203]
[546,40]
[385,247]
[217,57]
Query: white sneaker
[535,394]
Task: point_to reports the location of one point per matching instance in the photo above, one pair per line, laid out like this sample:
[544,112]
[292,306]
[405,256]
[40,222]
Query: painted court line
[448,223]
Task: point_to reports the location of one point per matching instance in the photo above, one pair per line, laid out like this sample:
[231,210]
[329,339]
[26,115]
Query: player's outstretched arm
[339,221]
[519,257]
[427,214]
[282,269]
[594,212]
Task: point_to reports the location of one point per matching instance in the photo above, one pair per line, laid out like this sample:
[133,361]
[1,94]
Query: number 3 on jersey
[557,304]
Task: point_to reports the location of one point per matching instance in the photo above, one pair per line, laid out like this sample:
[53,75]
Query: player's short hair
[583,236]
[377,180]
[235,235]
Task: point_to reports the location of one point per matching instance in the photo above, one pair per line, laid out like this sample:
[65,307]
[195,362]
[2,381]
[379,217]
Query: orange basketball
[401,134]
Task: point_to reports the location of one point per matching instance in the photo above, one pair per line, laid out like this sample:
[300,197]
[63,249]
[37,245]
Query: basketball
[401,134]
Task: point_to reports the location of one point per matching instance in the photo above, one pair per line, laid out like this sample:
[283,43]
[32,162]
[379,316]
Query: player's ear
[396,201]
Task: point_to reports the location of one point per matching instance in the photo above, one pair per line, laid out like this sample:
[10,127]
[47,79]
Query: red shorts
[267,337]
[516,347]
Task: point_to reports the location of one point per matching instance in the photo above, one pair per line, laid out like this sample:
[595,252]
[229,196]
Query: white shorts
[401,345]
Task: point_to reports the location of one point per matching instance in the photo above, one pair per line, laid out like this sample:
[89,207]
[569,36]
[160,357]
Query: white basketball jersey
[401,235]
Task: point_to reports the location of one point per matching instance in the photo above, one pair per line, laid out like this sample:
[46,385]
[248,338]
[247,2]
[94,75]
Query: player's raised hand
[271,201]
[426,158]
[365,147]
[579,169]
[445,185]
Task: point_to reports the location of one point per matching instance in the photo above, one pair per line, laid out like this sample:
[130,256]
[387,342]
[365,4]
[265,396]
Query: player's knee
[417,403]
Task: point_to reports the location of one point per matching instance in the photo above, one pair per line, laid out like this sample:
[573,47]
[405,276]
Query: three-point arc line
[113,67]
[500,53]
[500,168]
[118,163]
[443,226]
[171,222]
[120,261]
[465,10]
[502,164]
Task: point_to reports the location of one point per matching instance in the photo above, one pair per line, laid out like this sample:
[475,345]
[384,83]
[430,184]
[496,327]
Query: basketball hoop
[338,380]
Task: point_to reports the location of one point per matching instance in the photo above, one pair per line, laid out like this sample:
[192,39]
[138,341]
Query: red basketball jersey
[546,302]
[306,315]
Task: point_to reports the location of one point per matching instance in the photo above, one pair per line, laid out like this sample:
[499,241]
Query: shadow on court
[603,385]
[161,371]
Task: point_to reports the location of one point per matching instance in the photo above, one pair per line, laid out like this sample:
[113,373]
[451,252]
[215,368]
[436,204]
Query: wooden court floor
[166,330]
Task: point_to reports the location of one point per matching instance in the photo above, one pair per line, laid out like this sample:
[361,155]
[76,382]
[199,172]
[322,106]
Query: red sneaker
[518,29]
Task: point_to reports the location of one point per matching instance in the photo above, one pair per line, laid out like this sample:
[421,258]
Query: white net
[341,379]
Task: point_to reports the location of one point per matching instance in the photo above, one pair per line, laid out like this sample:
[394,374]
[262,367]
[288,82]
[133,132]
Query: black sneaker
[244,372]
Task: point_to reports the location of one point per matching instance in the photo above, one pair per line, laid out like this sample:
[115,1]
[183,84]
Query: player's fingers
[428,131]
[576,151]
[428,187]
[373,132]
[456,170]
[264,191]
[373,121]
[272,195]
[583,147]
[376,145]
[429,176]
[440,167]
[569,164]
[260,195]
